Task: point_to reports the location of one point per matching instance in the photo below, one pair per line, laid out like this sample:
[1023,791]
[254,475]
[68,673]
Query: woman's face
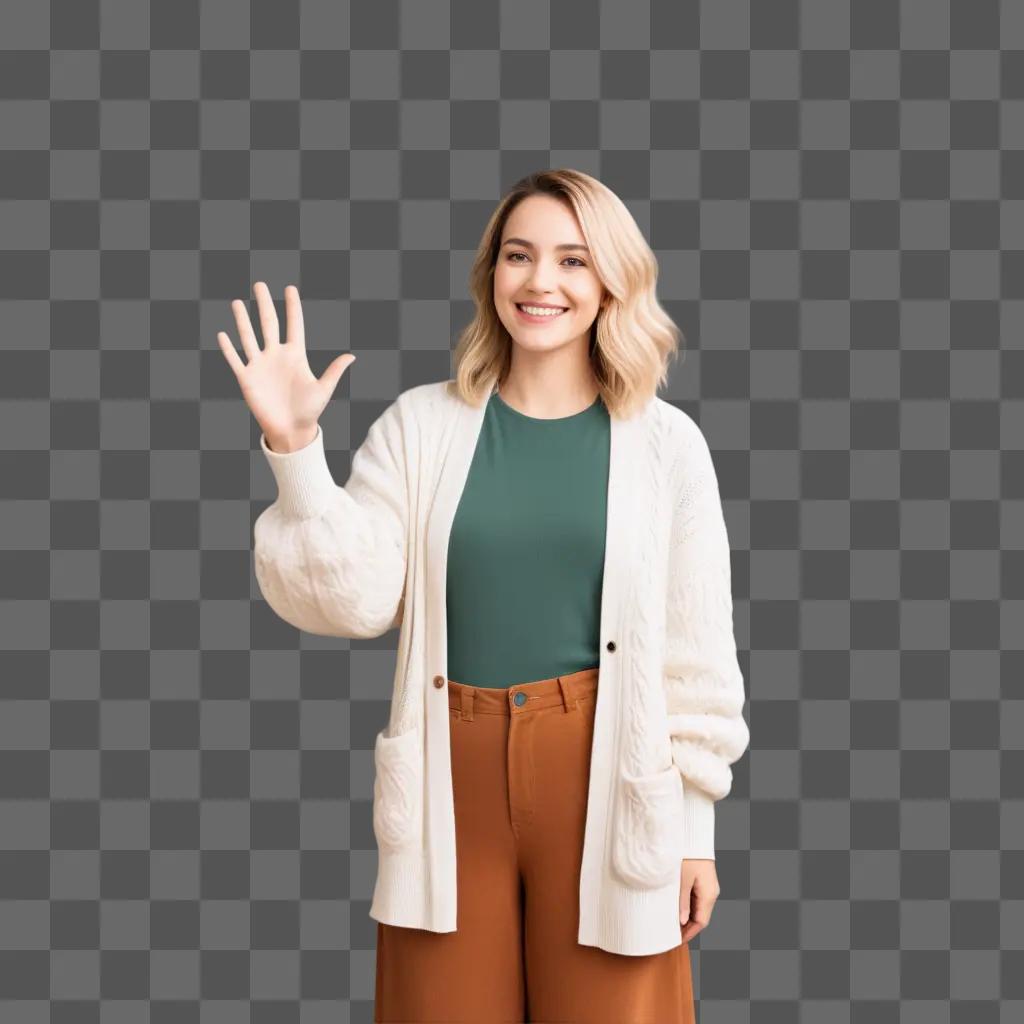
[543,262]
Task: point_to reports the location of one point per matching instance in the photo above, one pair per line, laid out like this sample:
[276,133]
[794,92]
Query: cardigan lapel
[463,431]
[456,445]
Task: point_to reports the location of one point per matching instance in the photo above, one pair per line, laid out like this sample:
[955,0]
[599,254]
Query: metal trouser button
[520,698]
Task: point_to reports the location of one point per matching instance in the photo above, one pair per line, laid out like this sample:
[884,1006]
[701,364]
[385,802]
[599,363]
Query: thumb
[685,897]
[332,375]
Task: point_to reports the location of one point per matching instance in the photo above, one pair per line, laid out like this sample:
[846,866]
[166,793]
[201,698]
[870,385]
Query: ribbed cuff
[698,823]
[304,480]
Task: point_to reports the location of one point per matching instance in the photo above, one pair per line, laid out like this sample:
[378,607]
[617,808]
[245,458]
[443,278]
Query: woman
[567,699]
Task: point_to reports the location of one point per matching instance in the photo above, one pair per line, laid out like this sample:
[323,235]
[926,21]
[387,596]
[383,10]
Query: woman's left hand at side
[698,891]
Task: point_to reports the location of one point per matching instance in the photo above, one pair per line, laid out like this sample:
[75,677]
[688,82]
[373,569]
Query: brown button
[439,681]
[610,645]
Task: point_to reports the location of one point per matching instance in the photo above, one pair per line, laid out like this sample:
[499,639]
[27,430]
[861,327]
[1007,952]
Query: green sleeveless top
[526,551]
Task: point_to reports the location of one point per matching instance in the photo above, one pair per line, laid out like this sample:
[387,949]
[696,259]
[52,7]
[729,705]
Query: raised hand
[283,394]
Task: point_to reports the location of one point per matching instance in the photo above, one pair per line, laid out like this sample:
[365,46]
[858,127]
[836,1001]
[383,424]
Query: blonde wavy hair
[632,339]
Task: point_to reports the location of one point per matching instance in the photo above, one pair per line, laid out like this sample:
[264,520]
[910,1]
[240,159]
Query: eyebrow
[529,245]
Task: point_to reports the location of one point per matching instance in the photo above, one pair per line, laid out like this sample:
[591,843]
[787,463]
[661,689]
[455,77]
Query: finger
[699,917]
[296,328]
[685,902]
[330,377]
[245,332]
[697,921]
[704,901]
[268,315]
[230,354]
[695,903]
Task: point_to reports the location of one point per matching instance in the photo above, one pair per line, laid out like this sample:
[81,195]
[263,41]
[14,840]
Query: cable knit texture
[329,559]
[650,839]
[703,681]
[358,560]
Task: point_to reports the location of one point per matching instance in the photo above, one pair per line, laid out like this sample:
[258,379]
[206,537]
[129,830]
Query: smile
[539,312]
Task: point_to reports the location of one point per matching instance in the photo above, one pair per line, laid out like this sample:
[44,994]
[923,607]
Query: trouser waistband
[522,698]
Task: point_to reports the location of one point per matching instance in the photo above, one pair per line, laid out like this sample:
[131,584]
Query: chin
[547,345]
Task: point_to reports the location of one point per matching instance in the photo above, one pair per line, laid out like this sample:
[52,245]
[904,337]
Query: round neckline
[544,419]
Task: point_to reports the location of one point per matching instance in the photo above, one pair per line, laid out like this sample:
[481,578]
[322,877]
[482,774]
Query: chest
[616,501]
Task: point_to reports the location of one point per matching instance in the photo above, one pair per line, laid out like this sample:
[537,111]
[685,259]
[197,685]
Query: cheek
[586,294]
[504,282]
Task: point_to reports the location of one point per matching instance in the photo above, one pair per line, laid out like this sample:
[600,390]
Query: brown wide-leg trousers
[520,771]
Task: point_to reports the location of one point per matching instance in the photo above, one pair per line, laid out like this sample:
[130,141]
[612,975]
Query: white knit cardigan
[358,560]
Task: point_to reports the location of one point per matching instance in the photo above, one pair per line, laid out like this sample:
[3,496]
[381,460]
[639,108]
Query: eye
[578,263]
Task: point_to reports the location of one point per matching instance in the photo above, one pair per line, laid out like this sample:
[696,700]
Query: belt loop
[568,697]
[467,703]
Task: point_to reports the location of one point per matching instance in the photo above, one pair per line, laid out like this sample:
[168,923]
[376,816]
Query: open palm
[284,395]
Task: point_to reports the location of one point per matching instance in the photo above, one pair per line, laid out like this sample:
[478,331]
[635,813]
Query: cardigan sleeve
[703,680]
[331,560]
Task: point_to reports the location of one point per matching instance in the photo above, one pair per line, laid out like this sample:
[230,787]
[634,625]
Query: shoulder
[424,408]
[425,396]
[683,430]
[693,466]
[424,399]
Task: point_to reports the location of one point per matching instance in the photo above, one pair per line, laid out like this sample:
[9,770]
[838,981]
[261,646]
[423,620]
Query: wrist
[284,444]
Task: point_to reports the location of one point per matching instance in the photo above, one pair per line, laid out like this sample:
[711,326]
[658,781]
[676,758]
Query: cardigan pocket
[398,788]
[647,847]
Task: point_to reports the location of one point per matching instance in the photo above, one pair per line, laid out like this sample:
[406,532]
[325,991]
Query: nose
[541,278]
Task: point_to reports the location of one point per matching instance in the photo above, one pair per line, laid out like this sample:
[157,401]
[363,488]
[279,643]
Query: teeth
[541,311]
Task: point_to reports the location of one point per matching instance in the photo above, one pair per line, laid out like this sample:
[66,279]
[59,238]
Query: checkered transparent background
[835,193]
